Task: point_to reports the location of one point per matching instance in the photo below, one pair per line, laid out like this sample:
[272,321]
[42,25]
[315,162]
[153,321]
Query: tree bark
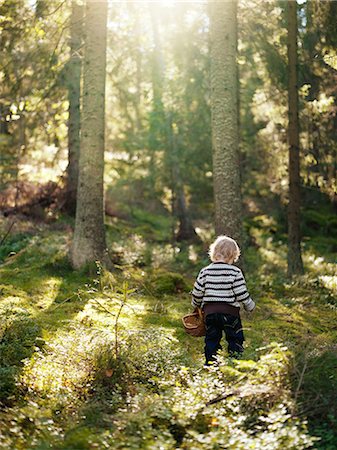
[225,127]
[186,231]
[295,264]
[74,95]
[157,117]
[89,237]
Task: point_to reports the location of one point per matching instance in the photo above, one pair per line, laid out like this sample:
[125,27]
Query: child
[219,290]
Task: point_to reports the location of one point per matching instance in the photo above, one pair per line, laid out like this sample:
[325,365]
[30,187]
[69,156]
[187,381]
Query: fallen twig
[7,233]
[63,301]
[300,381]
[222,397]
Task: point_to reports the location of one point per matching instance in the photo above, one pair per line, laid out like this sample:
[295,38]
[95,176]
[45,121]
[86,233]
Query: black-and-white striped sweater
[221,282]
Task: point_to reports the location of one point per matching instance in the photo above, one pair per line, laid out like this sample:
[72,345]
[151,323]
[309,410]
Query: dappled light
[329,282]
[163,159]
[72,370]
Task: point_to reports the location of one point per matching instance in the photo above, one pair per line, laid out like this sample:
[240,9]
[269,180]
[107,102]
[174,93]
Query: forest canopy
[158,76]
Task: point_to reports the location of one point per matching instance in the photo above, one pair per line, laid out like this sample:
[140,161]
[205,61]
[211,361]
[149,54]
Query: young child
[219,290]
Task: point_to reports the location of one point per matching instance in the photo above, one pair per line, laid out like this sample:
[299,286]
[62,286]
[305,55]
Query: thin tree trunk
[89,237]
[158,113]
[134,11]
[295,264]
[224,109]
[186,231]
[3,122]
[74,95]
[40,8]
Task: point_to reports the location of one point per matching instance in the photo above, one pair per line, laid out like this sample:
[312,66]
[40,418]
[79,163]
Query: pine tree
[224,108]
[73,81]
[89,237]
[295,264]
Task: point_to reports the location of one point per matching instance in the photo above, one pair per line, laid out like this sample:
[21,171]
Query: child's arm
[198,290]
[241,293]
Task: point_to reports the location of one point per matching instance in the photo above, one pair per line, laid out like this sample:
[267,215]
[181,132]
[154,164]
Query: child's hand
[250,306]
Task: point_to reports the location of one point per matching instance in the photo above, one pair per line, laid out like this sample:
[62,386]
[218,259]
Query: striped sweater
[221,282]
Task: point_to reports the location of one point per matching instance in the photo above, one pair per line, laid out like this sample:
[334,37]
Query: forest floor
[102,361]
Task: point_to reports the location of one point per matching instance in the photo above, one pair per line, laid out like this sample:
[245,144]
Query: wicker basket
[194,323]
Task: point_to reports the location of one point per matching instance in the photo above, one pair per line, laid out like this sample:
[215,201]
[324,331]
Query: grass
[62,387]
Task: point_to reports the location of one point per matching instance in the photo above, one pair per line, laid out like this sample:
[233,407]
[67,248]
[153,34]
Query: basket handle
[199,311]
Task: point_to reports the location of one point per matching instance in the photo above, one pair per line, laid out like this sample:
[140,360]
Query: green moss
[167,283]
[58,349]
[13,244]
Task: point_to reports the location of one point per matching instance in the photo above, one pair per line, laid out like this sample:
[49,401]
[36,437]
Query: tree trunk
[157,115]
[4,110]
[295,264]
[89,237]
[134,11]
[40,8]
[224,109]
[74,94]
[186,231]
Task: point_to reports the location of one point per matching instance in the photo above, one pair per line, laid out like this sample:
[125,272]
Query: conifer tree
[295,264]
[89,237]
[73,82]
[224,108]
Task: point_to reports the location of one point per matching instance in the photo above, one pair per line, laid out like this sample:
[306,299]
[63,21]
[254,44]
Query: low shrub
[167,283]
[13,244]
[234,405]
[18,338]
[315,383]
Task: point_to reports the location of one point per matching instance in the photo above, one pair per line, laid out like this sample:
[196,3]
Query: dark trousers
[216,323]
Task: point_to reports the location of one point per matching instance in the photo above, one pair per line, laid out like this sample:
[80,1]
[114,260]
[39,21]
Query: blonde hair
[225,249]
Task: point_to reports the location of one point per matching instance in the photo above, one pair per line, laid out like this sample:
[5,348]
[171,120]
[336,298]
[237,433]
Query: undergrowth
[103,362]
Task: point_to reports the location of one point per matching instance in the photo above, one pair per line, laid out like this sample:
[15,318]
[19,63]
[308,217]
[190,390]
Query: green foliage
[326,429]
[31,90]
[18,337]
[19,334]
[163,120]
[319,221]
[167,283]
[154,226]
[64,381]
[8,159]
[13,244]
[317,364]
[320,229]
[213,409]
[65,386]
[142,241]
[8,384]
[314,378]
